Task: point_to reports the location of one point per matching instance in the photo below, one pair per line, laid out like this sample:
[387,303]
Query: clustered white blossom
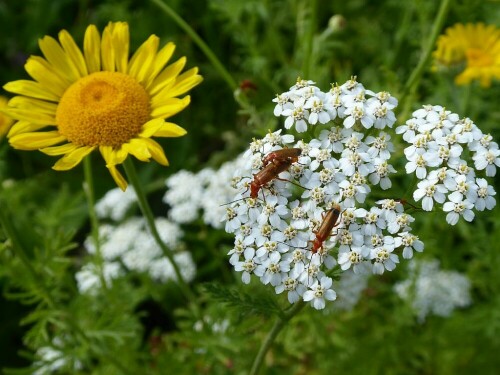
[207,190]
[432,291]
[116,203]
[442,149]
[129,246]
[51,359]
[336,171]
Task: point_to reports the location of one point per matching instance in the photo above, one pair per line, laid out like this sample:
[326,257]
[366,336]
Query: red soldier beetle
[284,154]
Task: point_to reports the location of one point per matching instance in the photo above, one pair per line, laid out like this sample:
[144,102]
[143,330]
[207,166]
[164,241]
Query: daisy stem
[279,324]
[412,83]
[94,221]
[200,43]
[128,164]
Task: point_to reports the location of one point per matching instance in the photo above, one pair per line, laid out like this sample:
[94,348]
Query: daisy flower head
[5,121]
[474,46]
[99,99]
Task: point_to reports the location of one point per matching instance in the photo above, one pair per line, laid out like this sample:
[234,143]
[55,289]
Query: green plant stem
[148,215]
[19,250]
[279,324]
[415,77]
[309,38]
[200,43]
[94,221]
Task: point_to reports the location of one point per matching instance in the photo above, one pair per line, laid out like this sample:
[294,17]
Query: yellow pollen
[103,109]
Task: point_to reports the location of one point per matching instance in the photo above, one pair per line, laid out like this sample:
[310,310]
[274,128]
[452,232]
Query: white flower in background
[441,147]
[51,359]
[129,247]
[89,281]
[208,190]
[431,291]
[349,289]
[115,204]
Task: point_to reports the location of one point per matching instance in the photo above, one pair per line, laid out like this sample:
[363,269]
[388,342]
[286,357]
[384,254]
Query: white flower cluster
[206,190]
[275,221]
[116,203]
[130,247]
[305,104]
[432,291]
[441,146]
[51,359]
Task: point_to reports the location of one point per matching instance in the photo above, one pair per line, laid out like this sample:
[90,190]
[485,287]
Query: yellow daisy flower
[5,121]
[99,99]
[475,45]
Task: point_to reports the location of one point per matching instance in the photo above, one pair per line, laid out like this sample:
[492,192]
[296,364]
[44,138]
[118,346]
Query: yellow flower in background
[5,121]
[476,46]
[99,99]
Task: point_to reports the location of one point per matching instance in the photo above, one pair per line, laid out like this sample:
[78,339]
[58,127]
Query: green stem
[279,324]
[200,43]
[414,80]
[148,215]
[310,13]
[94,221]
[19,250]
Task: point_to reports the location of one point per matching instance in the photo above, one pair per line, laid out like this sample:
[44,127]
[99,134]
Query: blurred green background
[268,43]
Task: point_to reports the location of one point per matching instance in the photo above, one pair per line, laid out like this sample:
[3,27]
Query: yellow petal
[138,148]
[59,150]
[72,159]
[107,50]
[40,106]
[170,129]
[120,181]
[56,57]
[37,140]
[172,107]
[40,71]
[160,61]
[185,82]
[92,49]
[166,76]
[30,88]
[73,52]
[31,116]
[121,42]
[151,127]
[141,63]
[24,127]
[112,156]
[156,151]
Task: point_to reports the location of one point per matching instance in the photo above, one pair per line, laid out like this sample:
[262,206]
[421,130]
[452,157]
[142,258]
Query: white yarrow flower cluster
[442,149]
[306,105]
[207,190]
[130,247]
[115,204]
[277,224]
[52,359]
[432,291]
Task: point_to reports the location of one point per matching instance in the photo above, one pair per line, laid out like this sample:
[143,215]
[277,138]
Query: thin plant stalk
[278,325]
[199,42]
[94,221]
[148,215]
[415,77]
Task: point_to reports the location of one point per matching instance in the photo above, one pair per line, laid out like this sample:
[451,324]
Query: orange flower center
[103,109]
[478,58]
